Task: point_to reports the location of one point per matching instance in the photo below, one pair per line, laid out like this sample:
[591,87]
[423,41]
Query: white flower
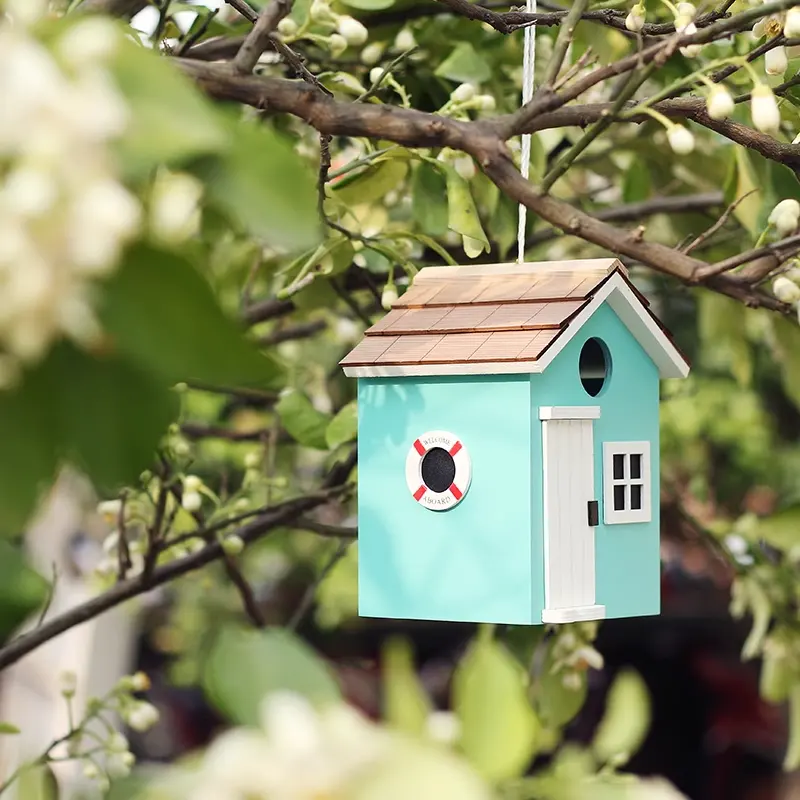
[405,40]
[92,39]
[443,727]
[109,509]
[372,53]
[791,24]
[26,12]
[140,682]
[775,61]
[759,28]
[785,216]
[389,296]
[192,501]
[90,771]
[352,30]
[287,27]
[785,290]
[337,43]
[463,93]
[485,102]
[719,103]
[636,18]
[29,191]
[680,140]
[141,716]
[764,109]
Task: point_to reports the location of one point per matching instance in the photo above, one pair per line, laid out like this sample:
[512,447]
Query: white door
[570,512]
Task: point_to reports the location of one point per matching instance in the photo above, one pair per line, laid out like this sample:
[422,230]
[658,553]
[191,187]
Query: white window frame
[611,516]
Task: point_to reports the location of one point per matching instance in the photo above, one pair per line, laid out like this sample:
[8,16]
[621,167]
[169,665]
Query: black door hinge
[594,513]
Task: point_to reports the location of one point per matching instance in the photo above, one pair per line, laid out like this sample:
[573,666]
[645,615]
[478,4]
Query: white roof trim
[569,412]
[622,300]
[527,268]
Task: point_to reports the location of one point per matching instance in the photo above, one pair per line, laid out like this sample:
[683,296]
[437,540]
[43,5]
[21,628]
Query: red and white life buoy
[439,497]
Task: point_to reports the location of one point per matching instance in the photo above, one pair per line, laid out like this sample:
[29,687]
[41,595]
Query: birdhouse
[508,446]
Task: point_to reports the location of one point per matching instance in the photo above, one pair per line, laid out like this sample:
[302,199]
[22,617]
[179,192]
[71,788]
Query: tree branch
[127,9]
[132,587]
[257,40]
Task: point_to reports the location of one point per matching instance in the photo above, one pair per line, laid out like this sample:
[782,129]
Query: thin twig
[137,585]
[565,35]
[703,237]
[712,270]
[245,591]
[195,37]
[244,9]
[257,40]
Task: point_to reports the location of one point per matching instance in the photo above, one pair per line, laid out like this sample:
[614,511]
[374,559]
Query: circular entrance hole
[438,469]
[594,365]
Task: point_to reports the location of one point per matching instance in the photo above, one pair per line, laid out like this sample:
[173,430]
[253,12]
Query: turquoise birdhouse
[508,446]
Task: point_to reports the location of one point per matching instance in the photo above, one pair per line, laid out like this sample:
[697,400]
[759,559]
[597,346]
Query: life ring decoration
[438,470]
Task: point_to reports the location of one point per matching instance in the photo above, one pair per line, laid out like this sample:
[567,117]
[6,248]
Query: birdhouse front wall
[626,553]
[470,558]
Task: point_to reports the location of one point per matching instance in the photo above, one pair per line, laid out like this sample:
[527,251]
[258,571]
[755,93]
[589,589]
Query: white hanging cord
[528,61]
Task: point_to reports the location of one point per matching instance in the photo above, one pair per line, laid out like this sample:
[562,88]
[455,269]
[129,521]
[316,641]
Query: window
[593,366]
[626,482]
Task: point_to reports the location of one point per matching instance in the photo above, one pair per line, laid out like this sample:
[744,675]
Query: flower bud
[117,743]
[233,545]
[719,103]
[389,296]
[192,501]
[337,44]
[690,50]
[175,206]
[140,682]
[680,140]
[785,216]
[776,61]
[352,30]
[141,716]
[463,93]
[635,20]
[90,771]
[785,290]
[253,459]
[791,25]
[372,53]
[405,40]
[764,109]
[191,483]
[109,510]
[375,74]
[485,102]
[465,167]
[320,11]
[69,683]
[287,27]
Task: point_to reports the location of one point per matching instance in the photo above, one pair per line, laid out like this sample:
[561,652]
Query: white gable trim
[526,268]
[622,300]
[569,412]
[628,307]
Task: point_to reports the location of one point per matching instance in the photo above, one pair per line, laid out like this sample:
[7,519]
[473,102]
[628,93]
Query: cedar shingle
[463,318]
[456,347]
[368,349]
[407,349]
[505,345]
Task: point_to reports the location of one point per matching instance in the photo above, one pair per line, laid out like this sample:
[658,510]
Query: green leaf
[170,120]
[787,338]
[761,609]
[781,529]
[343,427]
[30,454]
[636,186]
[724,337]
[245,665]
[373,183]
[747,212]
[627,718]
[406,704]
[22,591]
[264,185]
[498,727]
[462,215]
[429,199]
[8,728]
[160,312]
[302,421]
[464,65]
[113,414]
[556,703]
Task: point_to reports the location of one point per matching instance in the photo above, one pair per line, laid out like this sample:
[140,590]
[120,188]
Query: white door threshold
[574,614]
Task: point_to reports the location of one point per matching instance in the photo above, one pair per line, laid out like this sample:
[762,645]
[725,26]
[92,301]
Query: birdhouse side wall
[627,555]
[471,562]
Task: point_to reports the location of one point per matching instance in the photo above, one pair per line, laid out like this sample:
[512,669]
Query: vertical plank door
[569,548]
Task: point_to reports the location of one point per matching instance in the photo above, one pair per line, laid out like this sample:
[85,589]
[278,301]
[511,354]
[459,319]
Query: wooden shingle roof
[483,317]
